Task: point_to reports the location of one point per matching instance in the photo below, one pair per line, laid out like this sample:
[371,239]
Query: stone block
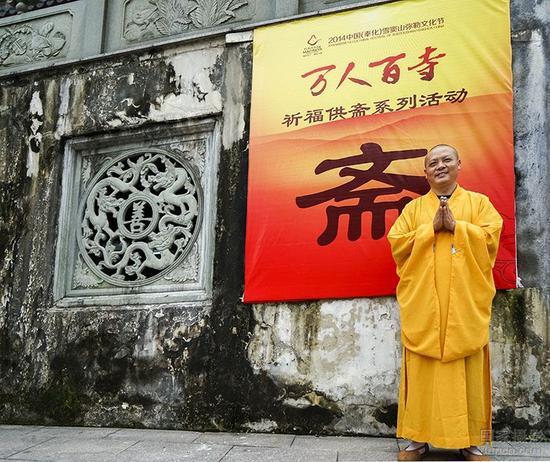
[346,443]
[52,34]
[254,454]
[75,448]
[172,452]
[247,439]
[137,216]
[135,22]
[174,436]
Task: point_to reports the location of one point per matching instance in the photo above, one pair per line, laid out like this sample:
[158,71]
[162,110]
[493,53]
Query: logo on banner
[313,47]
[313,41]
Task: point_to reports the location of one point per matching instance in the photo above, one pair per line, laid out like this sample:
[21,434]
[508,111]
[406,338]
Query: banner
[344,107]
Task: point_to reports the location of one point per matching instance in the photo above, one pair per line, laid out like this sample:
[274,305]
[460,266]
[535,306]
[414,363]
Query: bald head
[440,149]
[441,166]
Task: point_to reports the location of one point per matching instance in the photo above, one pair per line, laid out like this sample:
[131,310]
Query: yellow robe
[445,293]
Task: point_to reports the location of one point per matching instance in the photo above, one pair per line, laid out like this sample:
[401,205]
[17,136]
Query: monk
[445,244]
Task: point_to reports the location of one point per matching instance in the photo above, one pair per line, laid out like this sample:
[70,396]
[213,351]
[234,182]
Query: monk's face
[441,167]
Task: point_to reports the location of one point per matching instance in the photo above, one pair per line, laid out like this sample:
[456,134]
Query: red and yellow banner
[344,107]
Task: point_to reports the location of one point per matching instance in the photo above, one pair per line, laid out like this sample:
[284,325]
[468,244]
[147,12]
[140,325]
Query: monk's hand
[438,219]
[449,222]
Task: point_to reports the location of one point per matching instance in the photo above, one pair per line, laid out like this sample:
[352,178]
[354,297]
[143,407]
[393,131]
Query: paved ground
[82,444]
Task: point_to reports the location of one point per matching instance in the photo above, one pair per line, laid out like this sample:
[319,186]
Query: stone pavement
[83,444]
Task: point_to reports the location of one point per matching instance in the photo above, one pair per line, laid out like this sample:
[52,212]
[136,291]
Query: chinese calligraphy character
[337,112]
[291,119]
[320,78]
[456,96]
[391,71]
[315,115]
[364,199]
[353,79]
[409,101]
[430,100]
[320,84]
[427,63]
[359,110]
[382,106]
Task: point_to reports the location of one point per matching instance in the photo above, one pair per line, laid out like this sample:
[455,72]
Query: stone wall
[201,359]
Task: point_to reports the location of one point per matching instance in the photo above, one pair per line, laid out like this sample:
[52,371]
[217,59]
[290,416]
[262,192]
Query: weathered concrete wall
[164,366]
[531,46]
[327,367]
[353,358]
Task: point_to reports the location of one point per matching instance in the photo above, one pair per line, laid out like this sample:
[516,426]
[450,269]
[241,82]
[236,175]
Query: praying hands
[444,219]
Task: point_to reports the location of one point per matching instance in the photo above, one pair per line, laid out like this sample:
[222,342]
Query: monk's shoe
[416,454]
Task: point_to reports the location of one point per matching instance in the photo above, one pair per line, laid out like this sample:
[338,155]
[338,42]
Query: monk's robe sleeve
[412,248]
[472,285]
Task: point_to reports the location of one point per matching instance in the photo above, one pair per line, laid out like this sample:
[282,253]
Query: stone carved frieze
[189,270]
[156,18]
[83,277]
[27,43]
[134,221]
[86,171]
[139,218]
[194,152]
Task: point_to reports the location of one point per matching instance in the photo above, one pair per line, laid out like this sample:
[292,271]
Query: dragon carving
[139,218]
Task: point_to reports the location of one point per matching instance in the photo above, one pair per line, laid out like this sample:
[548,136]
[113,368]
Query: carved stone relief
[189,271]
[146,19]
[38,40]
[192,152]
[136,217]
[83,276]
[140,217]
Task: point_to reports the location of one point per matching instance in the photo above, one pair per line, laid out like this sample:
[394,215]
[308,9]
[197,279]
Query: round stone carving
[140,217]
